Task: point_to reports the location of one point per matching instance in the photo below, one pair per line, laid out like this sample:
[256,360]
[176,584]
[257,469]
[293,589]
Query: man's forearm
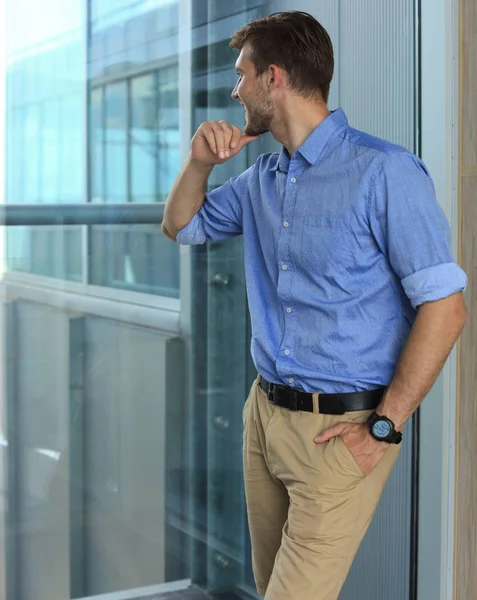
[186,197]
[433,335]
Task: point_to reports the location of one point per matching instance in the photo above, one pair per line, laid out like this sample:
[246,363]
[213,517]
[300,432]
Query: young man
[354,298]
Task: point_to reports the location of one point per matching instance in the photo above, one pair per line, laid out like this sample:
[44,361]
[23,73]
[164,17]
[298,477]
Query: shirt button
[289,310]
[284,267]
[286,224]
[291,380]
[287,352]
[293,180]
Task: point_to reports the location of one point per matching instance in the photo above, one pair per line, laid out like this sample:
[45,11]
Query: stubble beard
[259,119]
[255,126]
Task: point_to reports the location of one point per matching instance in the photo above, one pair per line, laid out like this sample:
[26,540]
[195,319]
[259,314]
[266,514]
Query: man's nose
[234,93]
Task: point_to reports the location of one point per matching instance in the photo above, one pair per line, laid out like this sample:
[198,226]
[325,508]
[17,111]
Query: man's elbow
[451,309]
[460,310]
[167,233]
[457,311]
[462,313]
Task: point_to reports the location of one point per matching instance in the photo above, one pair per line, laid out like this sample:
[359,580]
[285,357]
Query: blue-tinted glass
[96,145]
[71,164]
[50,151]
[168,137]
[134,149]
[143,138]
[14,156]
[46,139]
[116,143]
[32,166]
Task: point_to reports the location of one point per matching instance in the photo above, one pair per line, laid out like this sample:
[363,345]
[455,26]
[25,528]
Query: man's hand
[215,142]
[367,451]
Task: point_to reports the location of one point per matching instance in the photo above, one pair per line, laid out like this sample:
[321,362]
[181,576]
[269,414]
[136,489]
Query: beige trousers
[308,506]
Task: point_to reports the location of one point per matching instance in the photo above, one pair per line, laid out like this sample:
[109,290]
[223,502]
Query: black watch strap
[395,437]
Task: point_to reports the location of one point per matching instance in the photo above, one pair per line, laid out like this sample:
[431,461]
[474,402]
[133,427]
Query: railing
[81,214]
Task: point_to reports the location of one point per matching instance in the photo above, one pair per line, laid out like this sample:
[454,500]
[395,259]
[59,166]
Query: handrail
[81,214]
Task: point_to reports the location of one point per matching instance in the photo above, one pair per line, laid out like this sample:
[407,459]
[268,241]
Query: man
[354,297]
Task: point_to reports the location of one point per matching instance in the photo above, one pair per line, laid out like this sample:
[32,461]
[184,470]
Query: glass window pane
[136,258]
[168,133]
[96,145]
[46,139]
[15,156]
[143,138]
[71,164]
[31,166]
[116,140]
[50,151]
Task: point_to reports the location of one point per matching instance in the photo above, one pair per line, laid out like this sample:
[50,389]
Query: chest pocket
[327,248]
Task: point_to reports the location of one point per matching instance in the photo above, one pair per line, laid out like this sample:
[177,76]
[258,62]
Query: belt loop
[316,402]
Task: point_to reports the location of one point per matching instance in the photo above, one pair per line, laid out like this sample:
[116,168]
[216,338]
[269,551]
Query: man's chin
[251,130]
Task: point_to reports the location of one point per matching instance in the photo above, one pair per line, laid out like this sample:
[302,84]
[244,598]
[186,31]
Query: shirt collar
[315,143]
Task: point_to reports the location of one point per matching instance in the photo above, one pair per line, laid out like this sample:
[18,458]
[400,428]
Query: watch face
[382,429]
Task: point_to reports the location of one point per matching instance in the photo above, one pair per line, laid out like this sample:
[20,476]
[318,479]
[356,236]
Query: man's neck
[295,123]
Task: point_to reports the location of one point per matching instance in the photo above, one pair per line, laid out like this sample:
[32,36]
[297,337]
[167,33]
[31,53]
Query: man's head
[285,50]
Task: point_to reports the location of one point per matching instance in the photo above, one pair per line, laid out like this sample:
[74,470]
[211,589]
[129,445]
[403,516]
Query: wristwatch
[383,430]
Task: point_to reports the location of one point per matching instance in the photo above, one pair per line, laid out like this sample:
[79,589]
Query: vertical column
[12,581]
[465,574]
[87,141]
[76,443]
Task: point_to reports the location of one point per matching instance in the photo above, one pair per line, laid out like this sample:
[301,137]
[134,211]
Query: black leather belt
[328,404]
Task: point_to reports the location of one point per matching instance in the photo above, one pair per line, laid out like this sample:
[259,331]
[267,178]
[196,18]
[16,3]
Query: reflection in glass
[96,145]
[136,258]
[45,133]
[116,143]
[169,161]
[50,151]
[143,138]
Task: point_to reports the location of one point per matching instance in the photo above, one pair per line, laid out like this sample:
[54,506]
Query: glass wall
[125,359]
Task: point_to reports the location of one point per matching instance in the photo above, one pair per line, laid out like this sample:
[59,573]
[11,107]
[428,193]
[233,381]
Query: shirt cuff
[191,234]
[434,283]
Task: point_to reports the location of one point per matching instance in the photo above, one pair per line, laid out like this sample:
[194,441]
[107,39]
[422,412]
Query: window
[116,143]
[134,157]
[143,136]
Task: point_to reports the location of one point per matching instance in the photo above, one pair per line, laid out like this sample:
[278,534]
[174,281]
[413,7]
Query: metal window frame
[128,213]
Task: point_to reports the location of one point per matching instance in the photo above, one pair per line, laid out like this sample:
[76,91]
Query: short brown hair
[296,42]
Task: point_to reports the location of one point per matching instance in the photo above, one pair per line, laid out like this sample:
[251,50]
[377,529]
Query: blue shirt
[342,242]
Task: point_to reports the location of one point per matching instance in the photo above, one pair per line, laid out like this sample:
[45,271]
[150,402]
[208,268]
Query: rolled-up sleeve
[220,217]
[411,229]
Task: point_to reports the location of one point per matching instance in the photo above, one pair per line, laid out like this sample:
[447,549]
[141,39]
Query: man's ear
[275,75]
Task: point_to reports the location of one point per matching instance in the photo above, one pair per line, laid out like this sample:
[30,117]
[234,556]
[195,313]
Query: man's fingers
[228,135]
[209,135]
[332,432]
[224,139]
[236,136]
[246,139]
[219,138]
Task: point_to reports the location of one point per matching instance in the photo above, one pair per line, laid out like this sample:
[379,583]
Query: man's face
[252,93]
